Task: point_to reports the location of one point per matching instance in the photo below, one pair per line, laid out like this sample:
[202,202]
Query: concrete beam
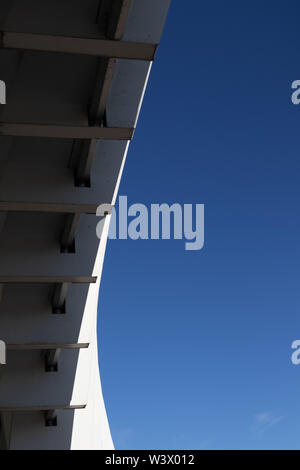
[65,132]
[76,45]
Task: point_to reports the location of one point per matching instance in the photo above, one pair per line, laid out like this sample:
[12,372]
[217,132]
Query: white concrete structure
[75,73]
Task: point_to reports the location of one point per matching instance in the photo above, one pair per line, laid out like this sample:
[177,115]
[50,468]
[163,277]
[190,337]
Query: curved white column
[51,181]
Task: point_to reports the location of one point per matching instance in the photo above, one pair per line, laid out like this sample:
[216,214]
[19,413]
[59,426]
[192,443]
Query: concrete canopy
[75,73]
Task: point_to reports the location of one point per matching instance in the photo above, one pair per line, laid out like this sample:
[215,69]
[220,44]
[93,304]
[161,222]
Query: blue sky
[195,346]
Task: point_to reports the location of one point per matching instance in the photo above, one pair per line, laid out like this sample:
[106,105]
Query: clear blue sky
[195,346]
